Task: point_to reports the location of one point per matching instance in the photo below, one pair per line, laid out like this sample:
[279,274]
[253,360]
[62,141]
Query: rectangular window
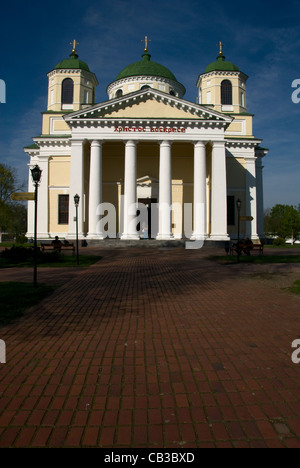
[230,210]
[208,97]
[242,99]
[63,209]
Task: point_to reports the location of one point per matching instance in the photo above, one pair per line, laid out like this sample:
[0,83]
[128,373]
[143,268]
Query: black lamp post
[36,173]
[238,206]
[76,201]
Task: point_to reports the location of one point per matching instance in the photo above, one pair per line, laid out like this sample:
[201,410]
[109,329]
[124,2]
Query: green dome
[146,67]
[221,65]
[72,62]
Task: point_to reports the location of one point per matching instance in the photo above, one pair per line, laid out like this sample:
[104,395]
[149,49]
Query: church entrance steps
[149,244]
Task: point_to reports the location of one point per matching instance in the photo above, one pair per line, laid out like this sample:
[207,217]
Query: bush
[21,239]
[17,254]
[279,242]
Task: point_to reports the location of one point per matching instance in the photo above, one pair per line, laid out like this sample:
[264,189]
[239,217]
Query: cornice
[222,73]
[146,78]
[241,142]
[129,124]
[72,71]
[53,141]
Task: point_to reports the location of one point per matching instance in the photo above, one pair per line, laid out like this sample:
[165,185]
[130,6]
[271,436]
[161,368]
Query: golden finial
[146,40]
[74,44]
[221,48]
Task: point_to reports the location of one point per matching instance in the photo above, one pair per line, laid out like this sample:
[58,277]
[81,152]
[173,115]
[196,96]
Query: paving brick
[154,348]
[124,436]
[25,437]
[90,436]
[74,436]
[41,437]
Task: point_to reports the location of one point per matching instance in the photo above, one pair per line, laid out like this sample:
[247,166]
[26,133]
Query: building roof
[146,67]
[73,62]
[221,65]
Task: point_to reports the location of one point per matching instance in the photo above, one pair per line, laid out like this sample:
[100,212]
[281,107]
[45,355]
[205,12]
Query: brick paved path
[154,349]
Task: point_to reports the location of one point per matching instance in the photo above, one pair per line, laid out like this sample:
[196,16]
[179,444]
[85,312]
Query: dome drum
[136,83]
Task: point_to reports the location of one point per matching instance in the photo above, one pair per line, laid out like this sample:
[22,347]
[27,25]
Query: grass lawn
[15,297]
[296,288]
[63,261]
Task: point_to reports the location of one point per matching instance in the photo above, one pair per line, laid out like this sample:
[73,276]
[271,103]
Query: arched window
[226,93]
[145,87]
[119,93]
[67,91]
[172,92]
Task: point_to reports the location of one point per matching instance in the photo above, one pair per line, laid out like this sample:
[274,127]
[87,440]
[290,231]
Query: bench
[259,247]
[243,248]
[58,247]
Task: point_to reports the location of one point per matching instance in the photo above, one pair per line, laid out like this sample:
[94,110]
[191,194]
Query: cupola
[143,74]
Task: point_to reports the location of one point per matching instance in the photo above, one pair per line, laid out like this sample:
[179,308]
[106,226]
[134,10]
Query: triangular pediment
[148,104]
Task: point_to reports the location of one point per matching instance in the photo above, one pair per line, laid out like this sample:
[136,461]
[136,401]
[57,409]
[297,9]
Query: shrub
[21,239]
[17,254]
[279,242]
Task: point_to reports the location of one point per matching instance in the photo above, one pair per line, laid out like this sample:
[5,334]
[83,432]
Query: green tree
[284,221]
[12,214]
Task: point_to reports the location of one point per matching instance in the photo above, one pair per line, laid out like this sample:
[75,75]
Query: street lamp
[36,173]
[238,206]
[76,201]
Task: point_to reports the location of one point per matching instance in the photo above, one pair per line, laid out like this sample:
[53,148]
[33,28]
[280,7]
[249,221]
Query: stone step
[147,243]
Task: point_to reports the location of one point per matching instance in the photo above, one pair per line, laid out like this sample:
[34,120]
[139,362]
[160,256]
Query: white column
[260,198]
[30,209]
[43,200]
[95,190]
[76,187]
[130,200]
[165,192]
[218,193]
[200,231]
[251,226]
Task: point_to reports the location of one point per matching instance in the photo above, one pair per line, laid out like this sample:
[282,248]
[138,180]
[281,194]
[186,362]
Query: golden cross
[146,40]
[73,44]
[221,47]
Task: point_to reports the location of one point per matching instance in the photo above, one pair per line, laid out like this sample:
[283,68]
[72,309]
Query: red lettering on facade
[120,129]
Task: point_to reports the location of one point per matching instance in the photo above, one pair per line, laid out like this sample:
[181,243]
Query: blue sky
[261,38]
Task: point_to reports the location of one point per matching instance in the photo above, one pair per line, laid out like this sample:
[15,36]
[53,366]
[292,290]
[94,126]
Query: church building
[147,163]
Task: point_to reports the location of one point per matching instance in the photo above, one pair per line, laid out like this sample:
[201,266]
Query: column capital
[218,144]
[200,143]
[76,143]
[166,143]
[96,143]
[130,143]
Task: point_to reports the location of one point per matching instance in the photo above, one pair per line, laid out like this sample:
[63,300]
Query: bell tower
[223,86]
[71,87]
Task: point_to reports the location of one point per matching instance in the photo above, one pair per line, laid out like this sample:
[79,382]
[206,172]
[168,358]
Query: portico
[204,181]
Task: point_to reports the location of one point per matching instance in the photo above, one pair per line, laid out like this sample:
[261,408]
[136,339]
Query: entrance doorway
[146,231]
